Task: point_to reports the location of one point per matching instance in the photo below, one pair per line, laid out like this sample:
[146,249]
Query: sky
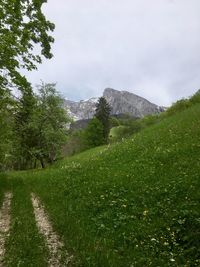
[150,48]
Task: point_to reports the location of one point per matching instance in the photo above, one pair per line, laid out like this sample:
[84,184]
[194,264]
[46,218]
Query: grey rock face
[126,102]
[121,102]
[81,110]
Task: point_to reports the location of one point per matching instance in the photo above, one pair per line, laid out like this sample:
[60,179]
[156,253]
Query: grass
[3,186]
[117,133]
[130,204]
[25,246]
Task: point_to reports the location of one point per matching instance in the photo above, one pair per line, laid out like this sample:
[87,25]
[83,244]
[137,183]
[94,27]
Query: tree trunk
[42,163]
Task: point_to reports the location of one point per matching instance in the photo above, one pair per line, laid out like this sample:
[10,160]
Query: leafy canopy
[23,27]
[40,127]
[94,133]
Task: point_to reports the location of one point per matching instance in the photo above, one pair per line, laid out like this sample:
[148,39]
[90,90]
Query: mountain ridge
[121,102]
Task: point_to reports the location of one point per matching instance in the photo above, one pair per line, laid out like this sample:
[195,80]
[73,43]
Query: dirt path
[53,242]
[4,224]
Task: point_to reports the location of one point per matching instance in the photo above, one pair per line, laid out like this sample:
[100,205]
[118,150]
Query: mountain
[121,102]
[81,110]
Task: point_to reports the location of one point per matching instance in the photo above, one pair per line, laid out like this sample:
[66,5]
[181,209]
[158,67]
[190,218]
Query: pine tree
[6,128]
[24,132]
[103,110]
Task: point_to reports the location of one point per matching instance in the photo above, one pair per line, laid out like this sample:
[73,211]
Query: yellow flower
[145,212]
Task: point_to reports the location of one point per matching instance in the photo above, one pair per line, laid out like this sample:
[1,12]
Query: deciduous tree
[23,27]
[94,135]
[49,121]
[24,39]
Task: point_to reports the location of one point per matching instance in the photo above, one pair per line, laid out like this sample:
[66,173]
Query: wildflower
[145,212]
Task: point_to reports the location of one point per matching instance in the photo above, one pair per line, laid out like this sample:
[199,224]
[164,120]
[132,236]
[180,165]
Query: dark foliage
[103,110]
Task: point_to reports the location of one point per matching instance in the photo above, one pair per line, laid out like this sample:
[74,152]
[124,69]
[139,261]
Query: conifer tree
[23,130]
[103,110]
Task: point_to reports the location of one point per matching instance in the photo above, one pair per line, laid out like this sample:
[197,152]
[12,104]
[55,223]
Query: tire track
[5,218]
[53,242]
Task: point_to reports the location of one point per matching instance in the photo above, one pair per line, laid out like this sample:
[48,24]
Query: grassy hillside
[130,204]
[116,133]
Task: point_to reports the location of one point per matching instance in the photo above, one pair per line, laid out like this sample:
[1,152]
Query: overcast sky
[150,48]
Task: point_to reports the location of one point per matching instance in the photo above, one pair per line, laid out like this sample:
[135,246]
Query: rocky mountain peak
[121,102]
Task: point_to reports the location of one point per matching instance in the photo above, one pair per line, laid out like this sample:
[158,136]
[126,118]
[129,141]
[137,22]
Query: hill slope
[131,204]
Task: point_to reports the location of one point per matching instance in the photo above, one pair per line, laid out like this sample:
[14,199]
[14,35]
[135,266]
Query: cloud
[147,47]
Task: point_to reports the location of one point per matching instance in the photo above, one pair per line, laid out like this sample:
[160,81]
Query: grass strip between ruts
[25,246]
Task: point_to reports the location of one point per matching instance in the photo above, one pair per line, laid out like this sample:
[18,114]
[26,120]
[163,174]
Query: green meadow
[134,203]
